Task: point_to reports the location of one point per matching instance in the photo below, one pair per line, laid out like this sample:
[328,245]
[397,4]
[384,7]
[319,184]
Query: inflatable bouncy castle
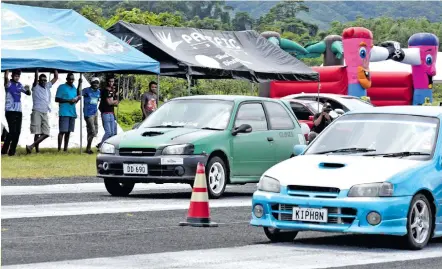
[346,68]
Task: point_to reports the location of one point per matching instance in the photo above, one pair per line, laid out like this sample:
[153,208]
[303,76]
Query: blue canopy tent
[62,39]
[47,39]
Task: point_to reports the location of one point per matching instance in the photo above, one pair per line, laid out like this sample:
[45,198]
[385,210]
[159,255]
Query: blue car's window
[385,133]
[194,113]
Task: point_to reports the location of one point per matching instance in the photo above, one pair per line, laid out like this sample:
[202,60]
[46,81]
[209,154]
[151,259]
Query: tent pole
[158,90]
[81,118]
[319,90]
[188,83]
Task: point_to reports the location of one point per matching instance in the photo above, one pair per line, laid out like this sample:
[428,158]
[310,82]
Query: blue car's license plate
[310,214]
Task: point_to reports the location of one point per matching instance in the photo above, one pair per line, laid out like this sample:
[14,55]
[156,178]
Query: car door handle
[269,139]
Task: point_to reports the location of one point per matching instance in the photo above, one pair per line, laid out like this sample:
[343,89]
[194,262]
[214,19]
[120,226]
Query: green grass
[49,163]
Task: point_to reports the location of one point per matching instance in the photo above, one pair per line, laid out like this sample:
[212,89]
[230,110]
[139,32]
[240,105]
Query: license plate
[135,169]
[310,214]
[172,161]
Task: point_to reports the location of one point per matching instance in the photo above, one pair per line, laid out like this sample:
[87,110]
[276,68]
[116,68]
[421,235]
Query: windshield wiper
[347,150]
[399,154]
[166,126]
[210,128]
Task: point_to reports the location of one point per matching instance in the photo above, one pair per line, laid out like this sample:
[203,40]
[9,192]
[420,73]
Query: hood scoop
[331,165]
[152,133]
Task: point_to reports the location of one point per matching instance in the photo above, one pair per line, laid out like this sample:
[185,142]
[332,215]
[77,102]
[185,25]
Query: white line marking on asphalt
[86,188]
[118,206]
[82,188]
[254,256]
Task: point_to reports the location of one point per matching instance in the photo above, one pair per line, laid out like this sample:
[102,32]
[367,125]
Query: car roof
[302,101]
[428,111]
[327,95]
[237,98]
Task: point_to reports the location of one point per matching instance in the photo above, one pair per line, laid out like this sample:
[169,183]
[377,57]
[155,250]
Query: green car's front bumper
[111,167]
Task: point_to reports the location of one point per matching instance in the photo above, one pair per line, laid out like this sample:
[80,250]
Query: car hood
[337,171]
[157,137]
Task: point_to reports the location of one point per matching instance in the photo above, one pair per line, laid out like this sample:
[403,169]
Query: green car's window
[278,117]
[252,114]
[191,113]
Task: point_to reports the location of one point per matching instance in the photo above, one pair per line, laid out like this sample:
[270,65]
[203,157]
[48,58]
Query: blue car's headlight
[184,149]
[372,190]
[107,148]
[269,184]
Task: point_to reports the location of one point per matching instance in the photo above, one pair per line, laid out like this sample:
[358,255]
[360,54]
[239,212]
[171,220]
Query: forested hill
[322,13]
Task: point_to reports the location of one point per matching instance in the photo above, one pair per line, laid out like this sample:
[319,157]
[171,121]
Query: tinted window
[301,112]
[278,117]
[252,114]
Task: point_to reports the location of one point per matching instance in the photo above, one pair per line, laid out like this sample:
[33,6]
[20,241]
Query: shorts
[91,126]
[66,124]
[39,123]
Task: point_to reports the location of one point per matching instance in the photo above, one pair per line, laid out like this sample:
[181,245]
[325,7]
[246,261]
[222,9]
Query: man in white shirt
[41,97]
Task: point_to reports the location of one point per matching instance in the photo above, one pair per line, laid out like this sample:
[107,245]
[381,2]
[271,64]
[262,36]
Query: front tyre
[276,235]
[419,223]
[216,174]
[116,188]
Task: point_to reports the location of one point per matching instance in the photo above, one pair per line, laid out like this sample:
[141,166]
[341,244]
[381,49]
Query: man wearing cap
[91,97]
[321,121]
[67,96]
[13,114]
[41,97]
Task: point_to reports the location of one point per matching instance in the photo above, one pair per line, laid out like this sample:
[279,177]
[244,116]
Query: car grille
[153,170]
[313,192]
[137,151]
[336,215]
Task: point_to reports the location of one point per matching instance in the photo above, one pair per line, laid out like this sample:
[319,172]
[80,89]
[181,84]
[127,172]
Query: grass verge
[49,163]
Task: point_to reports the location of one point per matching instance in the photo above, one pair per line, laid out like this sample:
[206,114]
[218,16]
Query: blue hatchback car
[373,171]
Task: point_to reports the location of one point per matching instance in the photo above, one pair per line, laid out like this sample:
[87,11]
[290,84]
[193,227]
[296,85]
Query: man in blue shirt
[13,114]
[91,98]
[67,96]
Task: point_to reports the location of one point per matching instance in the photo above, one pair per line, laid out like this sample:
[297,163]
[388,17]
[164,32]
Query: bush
[128,119]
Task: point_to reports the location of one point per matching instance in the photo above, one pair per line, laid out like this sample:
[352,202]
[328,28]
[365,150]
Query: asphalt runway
[75,223]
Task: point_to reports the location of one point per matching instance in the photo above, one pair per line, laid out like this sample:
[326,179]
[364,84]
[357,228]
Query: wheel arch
[221,154]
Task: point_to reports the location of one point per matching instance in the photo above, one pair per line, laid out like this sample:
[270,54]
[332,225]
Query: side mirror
[243,128]
[299,149]
[311,118]
[340,111]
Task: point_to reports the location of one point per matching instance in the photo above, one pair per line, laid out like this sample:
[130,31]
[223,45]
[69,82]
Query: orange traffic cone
[199,212]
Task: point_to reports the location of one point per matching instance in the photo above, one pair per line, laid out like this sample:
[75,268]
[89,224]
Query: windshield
[354,103]
[191,113]
[378,133]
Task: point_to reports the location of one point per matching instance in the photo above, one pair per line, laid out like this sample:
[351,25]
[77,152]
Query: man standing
[67,96]
[107,105]
[149,100]
[322,120]
[91,98]
[13,114]
[41,97]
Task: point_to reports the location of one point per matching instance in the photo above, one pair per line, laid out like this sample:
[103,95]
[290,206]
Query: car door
[302,113]
[283,129]
[252,152]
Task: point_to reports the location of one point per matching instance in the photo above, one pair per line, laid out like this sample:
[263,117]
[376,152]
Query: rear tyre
[276,235]
[419,223]
[216,175]
[116,188]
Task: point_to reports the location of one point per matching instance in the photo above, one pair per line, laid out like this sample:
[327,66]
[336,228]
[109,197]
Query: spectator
[13,114]
[107,104]
[321,120]
[67,96]
[91,98]
[41,97]
[149,100]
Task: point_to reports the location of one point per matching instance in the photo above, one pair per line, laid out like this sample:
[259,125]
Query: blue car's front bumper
[345,214]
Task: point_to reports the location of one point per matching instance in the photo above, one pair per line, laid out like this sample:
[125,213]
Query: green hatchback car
[236,137]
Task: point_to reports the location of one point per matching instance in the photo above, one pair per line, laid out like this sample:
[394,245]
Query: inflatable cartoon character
[357,42]
[285,44]
[331,47]
[423,74]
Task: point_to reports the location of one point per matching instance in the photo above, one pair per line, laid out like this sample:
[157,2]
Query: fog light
[179,170]
[374,218]
[258,211]
[105,166]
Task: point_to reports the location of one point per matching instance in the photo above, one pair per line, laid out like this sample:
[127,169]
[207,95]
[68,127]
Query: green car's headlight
[184,149]
[371,190]
[107,148]
[269,184]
